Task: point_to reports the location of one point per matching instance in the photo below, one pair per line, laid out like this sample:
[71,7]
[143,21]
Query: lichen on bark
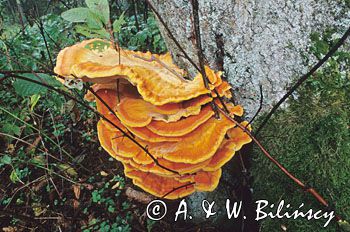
[254,42]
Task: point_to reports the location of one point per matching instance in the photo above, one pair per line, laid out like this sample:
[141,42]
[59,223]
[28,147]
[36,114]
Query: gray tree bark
[254,42]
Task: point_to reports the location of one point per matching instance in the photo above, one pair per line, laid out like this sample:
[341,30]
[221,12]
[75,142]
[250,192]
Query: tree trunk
[254,42]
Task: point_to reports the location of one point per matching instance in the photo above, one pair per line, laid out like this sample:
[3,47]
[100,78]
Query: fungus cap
[166,120]
[158,80]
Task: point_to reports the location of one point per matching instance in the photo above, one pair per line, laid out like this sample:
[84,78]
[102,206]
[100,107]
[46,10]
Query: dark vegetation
[56,177]
[311,139]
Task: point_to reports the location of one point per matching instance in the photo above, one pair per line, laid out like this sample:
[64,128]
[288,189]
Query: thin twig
[25,142]
[98,114]
[41,29]
[9,72]
[306,188]
[56,134]
[52,40]
[118,92]
[135,15]
[177,188]
[195,13]
[108,107]
[36,129]
[24,218]
[21,140]
[171,35]
[6,72]
[113,39]
[221,100]
[205,78]
[260,106]
[22,187]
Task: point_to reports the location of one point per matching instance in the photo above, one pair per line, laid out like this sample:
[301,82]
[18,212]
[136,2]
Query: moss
[311,139]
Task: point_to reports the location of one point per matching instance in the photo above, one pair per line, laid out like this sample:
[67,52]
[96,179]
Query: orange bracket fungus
[178,144]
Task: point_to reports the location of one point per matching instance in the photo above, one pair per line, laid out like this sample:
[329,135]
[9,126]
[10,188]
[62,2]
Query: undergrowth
[54,175]
[311,139]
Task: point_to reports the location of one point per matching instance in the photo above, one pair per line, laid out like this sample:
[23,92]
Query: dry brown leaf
[34,144]
[283,227]
[76,190]
[116,185]
[9,229]
[75,204]
[138,196]
[10,148]
[103,173]
[41,184]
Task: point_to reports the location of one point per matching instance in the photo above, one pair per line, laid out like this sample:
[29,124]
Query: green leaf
[6,159]
[33,101]
[76,15]
[84,30]
[118,23]
[68,169]
[39,160]
[14,177]
[98,45]
[37,209]
[96,197]
[92,33]
[68,107]
[94,21]
[25,88]
[111,209]
[322,47]
[102,33]
[11,129]
[100,8]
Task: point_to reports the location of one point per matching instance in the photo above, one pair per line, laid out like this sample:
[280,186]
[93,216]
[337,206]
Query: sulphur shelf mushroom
[168,115]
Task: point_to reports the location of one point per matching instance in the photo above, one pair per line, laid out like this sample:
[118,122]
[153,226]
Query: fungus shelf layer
[150,99]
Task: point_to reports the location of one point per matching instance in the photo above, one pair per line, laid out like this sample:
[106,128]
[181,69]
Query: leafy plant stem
[37,130]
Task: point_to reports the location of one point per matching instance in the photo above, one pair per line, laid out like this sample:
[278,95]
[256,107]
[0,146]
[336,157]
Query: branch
[171,35]
[306,188]
[195,12]
[10,73]
[40,25]
[23,218]
[260,106]
[98,114]
[177,188]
